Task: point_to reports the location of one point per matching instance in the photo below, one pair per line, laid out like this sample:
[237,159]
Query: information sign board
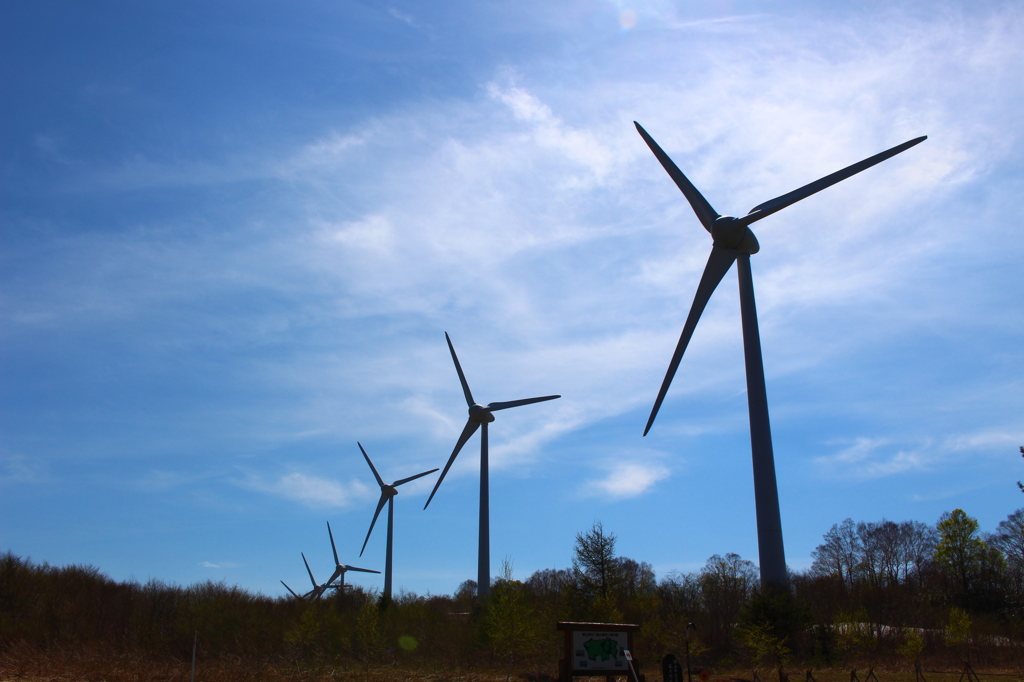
[595,649]
[599,650]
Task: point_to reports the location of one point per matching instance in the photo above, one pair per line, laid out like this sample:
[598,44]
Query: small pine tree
[958,631]
[912,645]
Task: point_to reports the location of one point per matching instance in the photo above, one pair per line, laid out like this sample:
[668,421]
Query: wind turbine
[317,590]
[387,495]
[339,568]
[480,416]
[734,241]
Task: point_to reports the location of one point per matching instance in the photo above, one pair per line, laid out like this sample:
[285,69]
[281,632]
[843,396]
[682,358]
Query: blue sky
[234,234]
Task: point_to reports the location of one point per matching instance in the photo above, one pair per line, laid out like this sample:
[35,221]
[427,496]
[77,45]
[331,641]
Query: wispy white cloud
[871,458]
[163,480]
[219,564]
[325,151]
[658,14]
[536,222]
[404,17]
[551,134]
[312,491]
[17,468]
[987,440]
[626,477]
[526,445]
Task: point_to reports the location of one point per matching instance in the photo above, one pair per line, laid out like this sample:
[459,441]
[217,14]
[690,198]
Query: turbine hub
[728,233]
[389,490]
[481,414]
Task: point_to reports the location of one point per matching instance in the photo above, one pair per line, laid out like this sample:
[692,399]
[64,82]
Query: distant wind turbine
[339,568]
[387,496]
[480,416]
[734,241]
[317,590]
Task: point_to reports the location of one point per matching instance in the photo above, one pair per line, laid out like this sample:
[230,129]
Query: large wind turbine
[387,496]
[734,241]
[480,416]
[339,568]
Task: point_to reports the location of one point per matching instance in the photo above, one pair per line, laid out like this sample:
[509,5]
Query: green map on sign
[601,647]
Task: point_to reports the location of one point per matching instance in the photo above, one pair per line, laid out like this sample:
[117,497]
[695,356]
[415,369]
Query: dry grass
[29,666]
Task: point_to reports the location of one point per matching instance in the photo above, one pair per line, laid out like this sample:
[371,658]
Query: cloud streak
[873,458]
[311,491]
[625,479]
[539,214]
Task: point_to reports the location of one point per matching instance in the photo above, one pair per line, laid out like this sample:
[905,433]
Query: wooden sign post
[595,649]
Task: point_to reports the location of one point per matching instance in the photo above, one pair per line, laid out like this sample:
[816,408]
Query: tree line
[877,592]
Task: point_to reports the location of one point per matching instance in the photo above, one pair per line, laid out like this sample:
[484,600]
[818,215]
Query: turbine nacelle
[480,414]
[730,233]
[388,490]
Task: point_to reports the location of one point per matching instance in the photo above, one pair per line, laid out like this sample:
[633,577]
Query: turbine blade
[333,548]
[380,505]
[698,203]
[779,203]
[361,570]
[380,481]
[467,432]
[458,368]
[311,578]
[494,407]
[718,264]
[412,478]
[290,590]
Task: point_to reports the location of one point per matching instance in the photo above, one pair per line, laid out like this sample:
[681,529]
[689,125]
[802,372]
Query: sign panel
[599,650]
